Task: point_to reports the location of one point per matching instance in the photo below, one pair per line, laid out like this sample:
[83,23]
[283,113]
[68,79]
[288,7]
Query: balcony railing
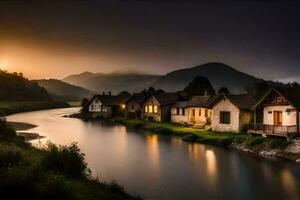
[276,130]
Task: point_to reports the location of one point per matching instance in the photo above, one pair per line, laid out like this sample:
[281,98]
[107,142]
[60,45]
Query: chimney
[109,93]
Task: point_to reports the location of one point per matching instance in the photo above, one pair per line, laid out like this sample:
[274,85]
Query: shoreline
[268,148]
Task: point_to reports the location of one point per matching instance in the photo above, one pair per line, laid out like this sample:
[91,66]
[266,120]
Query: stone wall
[226,105]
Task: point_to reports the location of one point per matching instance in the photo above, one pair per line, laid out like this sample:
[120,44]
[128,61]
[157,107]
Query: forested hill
[14,87]
[60,90]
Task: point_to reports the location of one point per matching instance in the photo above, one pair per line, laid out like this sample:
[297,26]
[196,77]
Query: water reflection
[289,184]
[153,150]
[160,167]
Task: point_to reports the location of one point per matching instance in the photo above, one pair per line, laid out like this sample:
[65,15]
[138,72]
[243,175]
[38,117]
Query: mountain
[112,82]
[14,87]
[78,78]
[219,75]
[64,91]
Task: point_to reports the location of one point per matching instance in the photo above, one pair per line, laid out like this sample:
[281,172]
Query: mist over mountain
[113,82]
[219,75]
[60,90]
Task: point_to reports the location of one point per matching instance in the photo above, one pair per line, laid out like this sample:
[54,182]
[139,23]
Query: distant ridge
[60,90]
[219,75]
[114,82]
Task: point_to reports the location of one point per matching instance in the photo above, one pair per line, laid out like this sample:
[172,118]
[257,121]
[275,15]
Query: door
[192,119]
[277,118]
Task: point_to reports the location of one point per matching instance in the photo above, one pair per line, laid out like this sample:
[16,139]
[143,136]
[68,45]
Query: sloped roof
[180,104]
[110,100]
[202,101]
[242,101]
[139,97]
[166,98]
[292,95]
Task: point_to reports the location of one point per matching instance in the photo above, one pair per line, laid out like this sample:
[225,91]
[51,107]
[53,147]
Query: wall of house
[155,116]
[288,119]
[179,118]
[133,103]
[95,106]
[104,114]
[245,118]
[225,105]
[198,119]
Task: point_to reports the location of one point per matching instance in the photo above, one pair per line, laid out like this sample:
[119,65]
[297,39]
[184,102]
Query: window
[224,117]
[155,109]
[206,113]
[96,101]
[183,111]
[146,109]
[150,109]
[200,112]
[132,107]
[177,111]
[92,107]
[193,112]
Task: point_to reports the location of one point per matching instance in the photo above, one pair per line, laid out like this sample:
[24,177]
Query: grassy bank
[251,143]
[54,172]
[10,107]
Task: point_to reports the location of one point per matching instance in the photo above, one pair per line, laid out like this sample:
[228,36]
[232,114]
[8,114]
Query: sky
[53,39]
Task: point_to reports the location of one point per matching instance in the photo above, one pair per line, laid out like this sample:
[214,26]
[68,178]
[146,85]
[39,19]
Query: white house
[277,113]
[180,112]
[106,106]
[231,113]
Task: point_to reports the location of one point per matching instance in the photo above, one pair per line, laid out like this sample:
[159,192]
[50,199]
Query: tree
[199,86]
[85,105]
[223,90]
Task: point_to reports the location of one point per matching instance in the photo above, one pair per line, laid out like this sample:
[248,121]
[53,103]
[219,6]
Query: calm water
[162,167]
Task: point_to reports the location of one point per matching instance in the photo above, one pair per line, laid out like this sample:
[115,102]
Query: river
[164,167]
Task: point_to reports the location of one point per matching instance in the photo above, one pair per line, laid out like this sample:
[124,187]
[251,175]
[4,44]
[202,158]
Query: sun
[4,64]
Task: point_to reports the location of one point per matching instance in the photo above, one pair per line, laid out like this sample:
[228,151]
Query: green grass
[54,172]
[10,107]
[203,136]
[74,103]
[255,143]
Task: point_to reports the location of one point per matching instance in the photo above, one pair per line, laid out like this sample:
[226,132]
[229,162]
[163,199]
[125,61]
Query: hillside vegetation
[13,86]
[64,91]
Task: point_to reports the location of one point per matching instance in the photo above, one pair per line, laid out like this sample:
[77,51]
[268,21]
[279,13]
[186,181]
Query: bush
[11,156]
[6,133]
[254,140]
[66,160]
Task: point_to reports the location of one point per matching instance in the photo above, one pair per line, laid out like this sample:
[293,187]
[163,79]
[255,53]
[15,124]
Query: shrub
[254,140]
[66,160]
[6,133]
[11,156]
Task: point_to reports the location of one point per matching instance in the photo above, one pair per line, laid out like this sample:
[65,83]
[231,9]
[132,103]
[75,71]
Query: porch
[273,130]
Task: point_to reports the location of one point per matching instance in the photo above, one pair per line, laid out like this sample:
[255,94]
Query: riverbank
[12,107]
[48,173]
[270,147]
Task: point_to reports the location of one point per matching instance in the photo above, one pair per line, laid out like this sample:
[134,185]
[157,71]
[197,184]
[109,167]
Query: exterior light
[123,106]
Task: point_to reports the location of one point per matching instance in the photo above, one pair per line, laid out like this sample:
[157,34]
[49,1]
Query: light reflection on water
[162,167]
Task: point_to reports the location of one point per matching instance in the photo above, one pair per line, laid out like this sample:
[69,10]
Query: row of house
[275,113]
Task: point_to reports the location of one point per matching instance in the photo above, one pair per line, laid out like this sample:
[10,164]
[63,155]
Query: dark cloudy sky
[56,39]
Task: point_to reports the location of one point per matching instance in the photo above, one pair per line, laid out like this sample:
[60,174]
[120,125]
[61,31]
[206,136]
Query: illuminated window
[155,109]
[146,109]
[150,109]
